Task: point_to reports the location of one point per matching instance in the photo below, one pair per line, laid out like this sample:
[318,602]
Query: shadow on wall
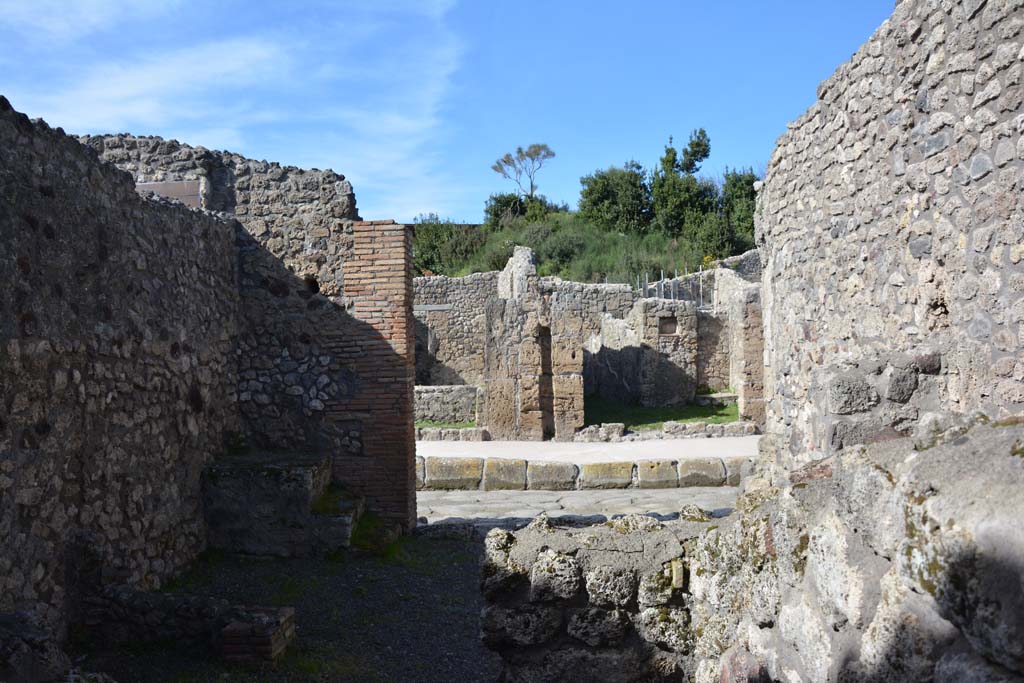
[430,371]
[948,630]
[637,375]
[955,629]
[315,379]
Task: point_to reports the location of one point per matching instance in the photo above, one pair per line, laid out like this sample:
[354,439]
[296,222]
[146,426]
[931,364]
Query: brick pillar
[378,291]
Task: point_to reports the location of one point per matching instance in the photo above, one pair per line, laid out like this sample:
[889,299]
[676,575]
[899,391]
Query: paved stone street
[516,508]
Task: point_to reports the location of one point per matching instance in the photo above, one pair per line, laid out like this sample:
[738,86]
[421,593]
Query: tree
[738,202]
[440,247]
[617,199]
[522,167]
[679,197]
[697,150]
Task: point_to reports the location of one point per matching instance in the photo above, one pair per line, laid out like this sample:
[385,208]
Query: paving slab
[583,453]
[514,509]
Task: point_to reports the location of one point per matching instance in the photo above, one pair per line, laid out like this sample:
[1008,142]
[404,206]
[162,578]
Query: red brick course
[378,288]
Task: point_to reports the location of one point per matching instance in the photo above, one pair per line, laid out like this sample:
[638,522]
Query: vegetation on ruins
[630,220]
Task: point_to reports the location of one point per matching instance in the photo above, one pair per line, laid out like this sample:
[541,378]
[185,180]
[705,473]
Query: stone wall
[593,331]
[738,301]
[117,361]
[450,327]
[325,339]
[533,375]
[894,566]
[890,223]
[139,337]
[650,357]
[451,405]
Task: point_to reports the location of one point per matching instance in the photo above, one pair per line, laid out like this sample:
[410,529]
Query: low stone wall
[452,434]
[447,404]
[589,604]
[615,432]
[120,614]
[507,474]
[887,564]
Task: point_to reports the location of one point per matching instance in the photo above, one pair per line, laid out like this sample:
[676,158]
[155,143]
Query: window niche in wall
[668,325]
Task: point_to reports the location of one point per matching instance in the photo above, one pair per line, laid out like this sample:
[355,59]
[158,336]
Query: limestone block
[734,469]
[501,474]
[597,627]
[850,393]
[420,471]
[453,473]
[554,576]
[655,589]
[611,587]
[522,625]
[667,627]
[606,475]
[551,476]
[901,383]
[702,472]
[657,474]
[473,434]
[566,355]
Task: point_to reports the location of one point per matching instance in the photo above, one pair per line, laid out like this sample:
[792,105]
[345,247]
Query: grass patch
[445,425]
[321,663]
[330,502]
[598,411]
[200,573]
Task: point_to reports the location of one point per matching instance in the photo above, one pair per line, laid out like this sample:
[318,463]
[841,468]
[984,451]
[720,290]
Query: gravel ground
[408,617]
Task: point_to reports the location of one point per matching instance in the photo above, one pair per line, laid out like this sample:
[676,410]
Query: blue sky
[413,100]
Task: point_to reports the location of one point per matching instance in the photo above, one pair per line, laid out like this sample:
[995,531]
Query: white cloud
[61,20]
[328,93]
[160,91]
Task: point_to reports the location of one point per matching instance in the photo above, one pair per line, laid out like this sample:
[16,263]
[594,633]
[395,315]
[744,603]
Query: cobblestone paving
[516,508]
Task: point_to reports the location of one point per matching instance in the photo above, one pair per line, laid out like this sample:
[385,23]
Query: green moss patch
[430,424]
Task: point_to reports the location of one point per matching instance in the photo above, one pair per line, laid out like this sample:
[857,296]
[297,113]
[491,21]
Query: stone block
[551,476]
[850,393]
[734,470]
[554,576]
[473,434]
[657,474]
[610,586]
[501,474]
[420,471]
[453,473]
[606,475]
[702,472]
[597,627]
[524,625]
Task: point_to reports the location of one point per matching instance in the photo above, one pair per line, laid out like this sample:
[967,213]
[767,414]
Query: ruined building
[519,354]
[882,540]
[144,342]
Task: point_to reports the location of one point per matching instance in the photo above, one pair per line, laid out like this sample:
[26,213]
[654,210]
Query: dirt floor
[408,616]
